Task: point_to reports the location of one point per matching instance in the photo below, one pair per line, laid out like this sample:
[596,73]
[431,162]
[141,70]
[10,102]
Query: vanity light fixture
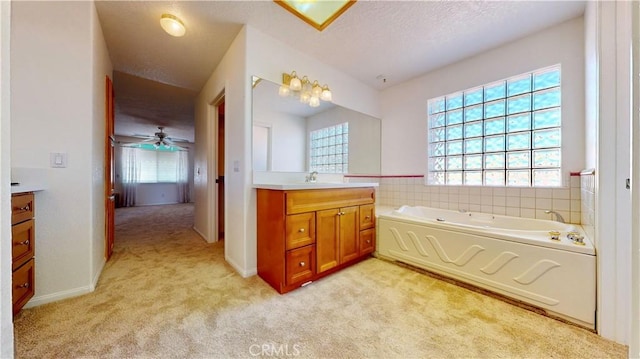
[172,25]
[308,92]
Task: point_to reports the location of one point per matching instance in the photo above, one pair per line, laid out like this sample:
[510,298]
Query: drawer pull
[340,213]
[302,264]
[23,243]
[26,208]
[25,285]
[301,230]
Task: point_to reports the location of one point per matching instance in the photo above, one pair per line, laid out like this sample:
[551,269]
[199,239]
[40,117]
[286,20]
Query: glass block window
[506,133]
[329,149]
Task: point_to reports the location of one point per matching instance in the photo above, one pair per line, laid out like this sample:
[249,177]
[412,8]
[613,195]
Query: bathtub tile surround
[588,202]
[519,202]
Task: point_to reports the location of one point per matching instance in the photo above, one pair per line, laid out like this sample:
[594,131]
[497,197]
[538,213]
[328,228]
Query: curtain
[130,175]
[182,176]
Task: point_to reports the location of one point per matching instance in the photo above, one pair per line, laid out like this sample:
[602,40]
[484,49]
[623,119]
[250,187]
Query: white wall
[590,85]
[228,78]
[404,106]
[613,200]
[6,312]
[58,86]
[251,53]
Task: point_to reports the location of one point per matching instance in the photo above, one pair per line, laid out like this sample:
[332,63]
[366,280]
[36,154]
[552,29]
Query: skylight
[317,13]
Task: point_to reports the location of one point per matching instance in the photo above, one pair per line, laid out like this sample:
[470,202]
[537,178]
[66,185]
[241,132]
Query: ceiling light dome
[172,25]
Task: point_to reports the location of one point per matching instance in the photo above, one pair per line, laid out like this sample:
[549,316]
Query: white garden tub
[508,255]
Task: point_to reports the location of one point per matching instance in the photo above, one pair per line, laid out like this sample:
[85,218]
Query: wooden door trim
[109,196]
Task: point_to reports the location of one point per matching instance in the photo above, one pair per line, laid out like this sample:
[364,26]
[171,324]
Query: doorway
[220,168]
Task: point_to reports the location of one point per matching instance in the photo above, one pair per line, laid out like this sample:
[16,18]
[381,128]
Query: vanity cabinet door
[349,234]
[327,245]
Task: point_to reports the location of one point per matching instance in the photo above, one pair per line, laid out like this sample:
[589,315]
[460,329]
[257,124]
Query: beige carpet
[168,294]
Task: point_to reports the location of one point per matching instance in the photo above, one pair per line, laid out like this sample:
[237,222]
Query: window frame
[318,158]
[460,124]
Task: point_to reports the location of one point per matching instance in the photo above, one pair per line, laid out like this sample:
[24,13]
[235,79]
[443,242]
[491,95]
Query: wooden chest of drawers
[22,249]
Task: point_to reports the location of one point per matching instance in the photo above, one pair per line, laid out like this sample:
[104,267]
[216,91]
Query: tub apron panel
[561,282]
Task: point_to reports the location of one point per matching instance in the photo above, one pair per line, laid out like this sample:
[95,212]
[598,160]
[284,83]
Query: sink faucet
[312,177]
[558,215]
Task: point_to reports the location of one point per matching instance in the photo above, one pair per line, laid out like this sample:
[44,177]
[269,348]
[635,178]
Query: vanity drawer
[22,242]
[23,282]
[367,216]
[300,264]
[21,207]
[301,230]
[367,241]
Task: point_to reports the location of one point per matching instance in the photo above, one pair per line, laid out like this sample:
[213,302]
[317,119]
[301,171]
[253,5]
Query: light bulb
[172,25]
[305,97]
[295,84]
[326,93]
[306,86]
[283,90]
[314,101]
[316,90]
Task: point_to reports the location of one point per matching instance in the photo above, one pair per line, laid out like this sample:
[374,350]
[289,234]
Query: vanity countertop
[27,187]
[311,185]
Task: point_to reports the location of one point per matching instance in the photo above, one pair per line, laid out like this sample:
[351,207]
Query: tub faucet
[558,215]
[311,177]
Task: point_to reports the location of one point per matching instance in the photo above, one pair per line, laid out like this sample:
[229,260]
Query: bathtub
[511,256]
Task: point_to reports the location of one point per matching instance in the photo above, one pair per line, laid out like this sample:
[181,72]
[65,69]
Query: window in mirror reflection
[329,149]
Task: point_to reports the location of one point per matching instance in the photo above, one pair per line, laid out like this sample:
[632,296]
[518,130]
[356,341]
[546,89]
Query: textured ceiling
[397,39]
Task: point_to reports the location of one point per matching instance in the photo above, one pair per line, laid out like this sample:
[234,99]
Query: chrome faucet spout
[312,177]
[559,217]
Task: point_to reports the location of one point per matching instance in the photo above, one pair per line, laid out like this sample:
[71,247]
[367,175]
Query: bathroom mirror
[289,136]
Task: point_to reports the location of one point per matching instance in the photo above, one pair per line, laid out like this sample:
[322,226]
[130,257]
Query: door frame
[634,342]
[212,172]
[109,195]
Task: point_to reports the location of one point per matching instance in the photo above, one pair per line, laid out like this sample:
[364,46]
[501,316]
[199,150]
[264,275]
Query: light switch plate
[58,159]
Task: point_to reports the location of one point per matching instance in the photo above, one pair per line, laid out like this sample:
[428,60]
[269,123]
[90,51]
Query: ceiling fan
[161,138]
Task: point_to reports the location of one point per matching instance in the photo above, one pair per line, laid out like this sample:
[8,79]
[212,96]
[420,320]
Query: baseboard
[96,278]
[201,234]
[54,297]
[244,273]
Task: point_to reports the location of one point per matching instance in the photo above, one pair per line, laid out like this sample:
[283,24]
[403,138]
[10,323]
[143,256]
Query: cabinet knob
[340,213]
[301,230]
[25,285]
[302,264]
[25,208]
[368,241]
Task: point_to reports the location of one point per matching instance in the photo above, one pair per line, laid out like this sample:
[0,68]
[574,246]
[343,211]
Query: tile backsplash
[519,202]
[588,193]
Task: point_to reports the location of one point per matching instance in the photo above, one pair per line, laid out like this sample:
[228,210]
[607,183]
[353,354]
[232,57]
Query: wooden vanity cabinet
[304,235]
[22,249]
